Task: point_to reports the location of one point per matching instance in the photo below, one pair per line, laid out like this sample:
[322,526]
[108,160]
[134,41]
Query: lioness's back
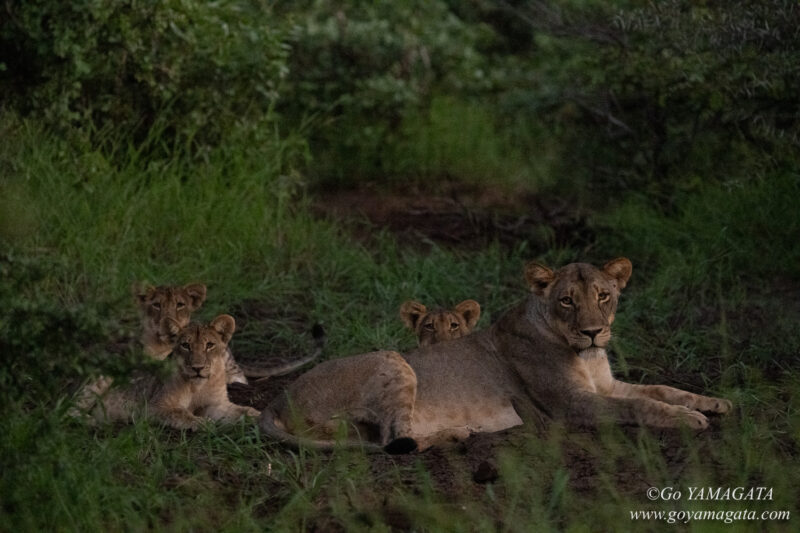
[458,369]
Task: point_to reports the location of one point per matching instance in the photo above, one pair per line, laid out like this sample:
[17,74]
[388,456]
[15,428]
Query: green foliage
[462,138]
[45,345]
[356,70]
[709,276]
[195,69]
[663,95]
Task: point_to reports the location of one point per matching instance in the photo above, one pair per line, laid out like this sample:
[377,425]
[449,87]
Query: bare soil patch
[455,214]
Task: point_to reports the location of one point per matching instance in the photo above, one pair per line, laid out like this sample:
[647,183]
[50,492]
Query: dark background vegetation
[323,161]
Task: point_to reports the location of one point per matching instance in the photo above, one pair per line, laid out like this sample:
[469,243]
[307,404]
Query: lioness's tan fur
[195,391]
[526,368]
[440,325]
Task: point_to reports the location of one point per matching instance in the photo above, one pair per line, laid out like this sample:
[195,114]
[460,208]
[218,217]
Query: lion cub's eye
[428,326]
[453,325]
[566,300]
[180,305]
[209,345]
[603,297]
[156,305]
[185,345]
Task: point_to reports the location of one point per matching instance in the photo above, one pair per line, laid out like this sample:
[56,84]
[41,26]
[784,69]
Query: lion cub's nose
[591,333]
[197,369]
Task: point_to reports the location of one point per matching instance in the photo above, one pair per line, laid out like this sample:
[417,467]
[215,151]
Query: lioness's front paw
[690,417]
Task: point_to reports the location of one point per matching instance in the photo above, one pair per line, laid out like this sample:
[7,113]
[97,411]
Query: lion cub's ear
[225,325]
[141,291]
[470,310]
[170,328]
[197,295]
[411,312]
[620,269]
[538,277]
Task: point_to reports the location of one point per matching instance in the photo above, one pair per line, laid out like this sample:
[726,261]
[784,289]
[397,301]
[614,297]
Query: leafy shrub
[45,345]
[357,70]
[664,94]
[195,69]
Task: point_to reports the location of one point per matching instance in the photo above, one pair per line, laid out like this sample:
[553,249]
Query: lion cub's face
[198,347]
[177,303]
[580,299]
[440,325]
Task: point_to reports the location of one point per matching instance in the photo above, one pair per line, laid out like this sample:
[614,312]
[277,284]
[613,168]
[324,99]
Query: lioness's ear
[538,277]
[620,269]
[470,310]
[141,291]
[225,325]
[197,295]
[411,312]
[170,328]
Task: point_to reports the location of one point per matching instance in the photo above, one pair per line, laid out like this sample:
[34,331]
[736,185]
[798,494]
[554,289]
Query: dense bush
[669,91]
[357,70]
[47,347]
[194,69]
[654,96]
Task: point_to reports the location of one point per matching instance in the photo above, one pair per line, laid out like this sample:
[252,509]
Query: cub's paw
[717,405]
[689,417]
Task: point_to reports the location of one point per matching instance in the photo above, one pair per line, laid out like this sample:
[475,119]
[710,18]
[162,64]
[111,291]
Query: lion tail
[320,338]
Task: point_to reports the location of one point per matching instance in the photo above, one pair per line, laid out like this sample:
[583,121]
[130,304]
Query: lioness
[440,325]
[194,391]
[526,367]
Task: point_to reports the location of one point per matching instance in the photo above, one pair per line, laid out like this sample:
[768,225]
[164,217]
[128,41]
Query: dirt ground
[454,214]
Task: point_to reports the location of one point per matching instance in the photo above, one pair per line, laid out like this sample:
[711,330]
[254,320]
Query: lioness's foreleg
[672,396]
[590,408]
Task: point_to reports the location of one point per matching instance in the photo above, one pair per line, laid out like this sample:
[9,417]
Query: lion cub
[194,391]
[440,325]
[177,303]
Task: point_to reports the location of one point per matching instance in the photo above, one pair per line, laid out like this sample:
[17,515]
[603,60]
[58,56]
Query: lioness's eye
[185,345]
[209,345]
[428,326]
[566,300]
[454,325]
[156,305]
[603,296]
[180,305]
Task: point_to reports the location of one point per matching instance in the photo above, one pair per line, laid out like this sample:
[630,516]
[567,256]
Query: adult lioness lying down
[545,358]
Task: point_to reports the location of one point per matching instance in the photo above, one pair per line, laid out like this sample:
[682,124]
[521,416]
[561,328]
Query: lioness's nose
[591,333]
[197,368]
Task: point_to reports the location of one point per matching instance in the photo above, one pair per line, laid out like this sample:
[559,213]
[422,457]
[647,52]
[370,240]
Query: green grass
[712,306]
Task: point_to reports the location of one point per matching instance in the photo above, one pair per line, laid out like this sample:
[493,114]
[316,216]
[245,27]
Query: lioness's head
[198,346]
[158,303]
[440,325]
[580,300]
